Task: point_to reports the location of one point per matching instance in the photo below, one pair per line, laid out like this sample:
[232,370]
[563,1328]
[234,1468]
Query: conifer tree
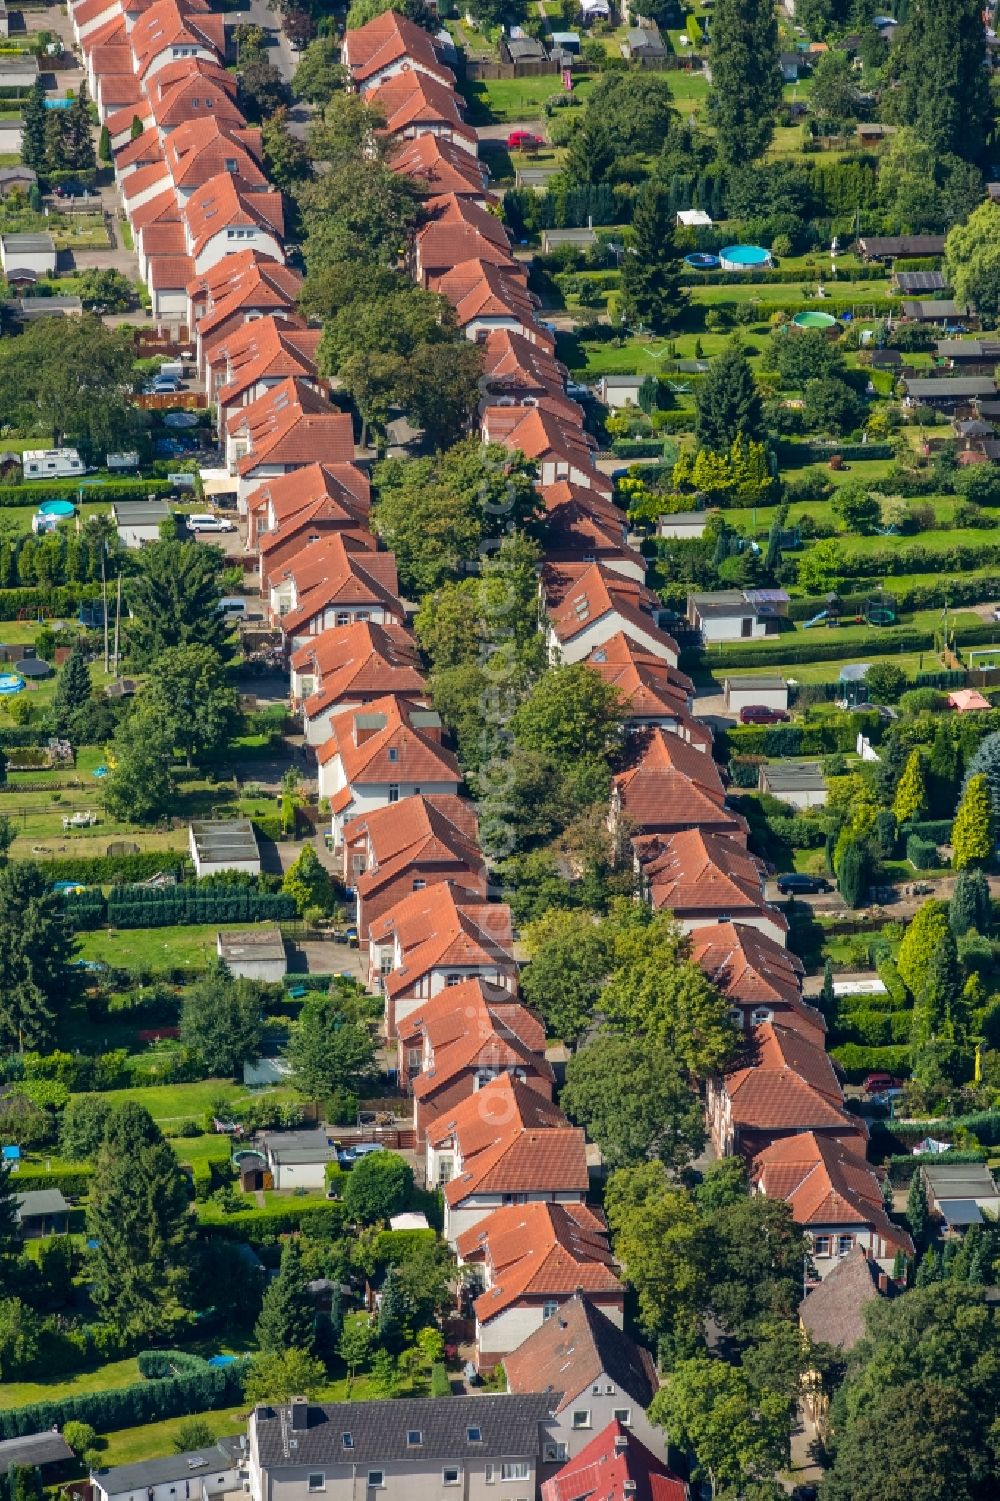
[972,831]
[729,404]
[746,78]
[287,1318]
[911,792]
[651,267]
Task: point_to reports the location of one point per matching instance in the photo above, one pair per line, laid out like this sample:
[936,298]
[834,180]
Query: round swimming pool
[57,508]
[814,320]
[701,261]
[11,682]
[744,258]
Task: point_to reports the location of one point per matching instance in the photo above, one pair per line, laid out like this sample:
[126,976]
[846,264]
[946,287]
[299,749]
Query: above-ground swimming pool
[814,320]
[701,261]
[57,508]
[11,682]
[744,258]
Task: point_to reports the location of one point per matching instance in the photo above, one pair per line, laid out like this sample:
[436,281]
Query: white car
[209,523]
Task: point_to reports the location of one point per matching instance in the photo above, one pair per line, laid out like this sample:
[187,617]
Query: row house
[311,502]
[761,980]
[587,604]
[784,1085]
[241,287]
[469,1035]
[504,1145]
[379,754]
[409,846]
[388,45]
[653,694]
[668,786]
[529,1260]
[290,427]
[706,878]
[433,940]
[834,1196]
[349,667]
[437,166]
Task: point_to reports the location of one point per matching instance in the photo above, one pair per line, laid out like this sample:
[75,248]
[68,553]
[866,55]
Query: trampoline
[57,508]
[701,261]
[814,320]
[10,682]
[744,258]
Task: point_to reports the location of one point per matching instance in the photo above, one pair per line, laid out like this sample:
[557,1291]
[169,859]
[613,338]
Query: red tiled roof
[537,1251]
[614,1466]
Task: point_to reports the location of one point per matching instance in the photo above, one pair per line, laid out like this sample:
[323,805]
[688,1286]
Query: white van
[209,523]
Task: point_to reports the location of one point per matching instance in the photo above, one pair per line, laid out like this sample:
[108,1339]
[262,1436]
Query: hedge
[857,1061]
[128,1406]
[104,870]
[120,489]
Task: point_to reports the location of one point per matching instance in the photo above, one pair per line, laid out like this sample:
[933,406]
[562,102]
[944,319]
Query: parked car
[879,1083]
[523,140]
[794,883]
[761,714]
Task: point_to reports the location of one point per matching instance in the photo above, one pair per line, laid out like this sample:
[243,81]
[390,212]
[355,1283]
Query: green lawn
[155,948]
[99,1379]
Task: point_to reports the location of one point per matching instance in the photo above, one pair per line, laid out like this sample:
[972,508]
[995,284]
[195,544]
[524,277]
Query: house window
[376,1480]
[581,1418]
[844,1244]
[394,792]
[514,1469]
[317,1482]
[821,1245]
[450,1475]
[623,1415]
[414,1438]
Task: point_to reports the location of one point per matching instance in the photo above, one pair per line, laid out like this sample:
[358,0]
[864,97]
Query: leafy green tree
[187,691]
[139,788]
[885,682]
[634,1102]
[972,258]
[378,1186]
[746,78]
[651,275]
[35,949]
[280,1375]
[943,86]
[970,903]
[728,402]
[737,1435]
[287,1317]
[33,126]
[138,1215]
[174,600]
[309,883]
[972,833]
[222,1022]
[75,378]
[327,1052]
[569,962]
[910,801]
[81,1127]
[660,1241]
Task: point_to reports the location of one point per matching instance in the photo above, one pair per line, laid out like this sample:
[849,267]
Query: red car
[523,140]
[761,714]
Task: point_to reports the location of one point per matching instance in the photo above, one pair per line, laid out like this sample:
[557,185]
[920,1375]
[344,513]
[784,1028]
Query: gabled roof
[413,98]
[569,1351]
[834,1311]
[246,280]
[375,661]
[825,1184]
[222,203]
[503,1105]
[387,39]
[472,1026]
[293,424]
[291,495]
[539,1250]
[786,1083]
[577,594]
[751,969]
[389,741]
[419,831]
[203,148]
[614,1466]
[697,871]
[337,570]
[442,165]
